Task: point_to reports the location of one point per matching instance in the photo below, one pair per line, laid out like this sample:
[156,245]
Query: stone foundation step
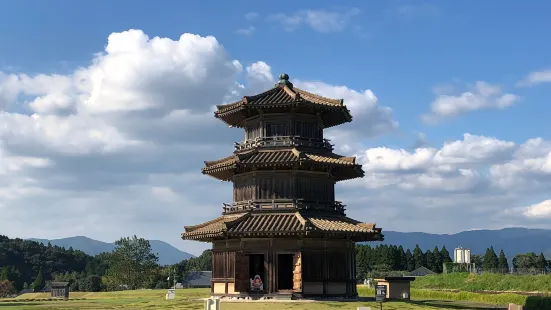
[283,296]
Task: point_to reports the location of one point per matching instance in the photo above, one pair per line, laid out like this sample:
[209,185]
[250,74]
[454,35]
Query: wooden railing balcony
[282,204]
[289,141]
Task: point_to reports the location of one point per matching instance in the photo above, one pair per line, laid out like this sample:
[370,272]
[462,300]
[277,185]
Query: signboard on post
[380,293]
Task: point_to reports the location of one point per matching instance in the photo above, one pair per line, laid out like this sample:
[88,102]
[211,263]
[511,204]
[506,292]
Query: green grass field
[485,282]
[187,299]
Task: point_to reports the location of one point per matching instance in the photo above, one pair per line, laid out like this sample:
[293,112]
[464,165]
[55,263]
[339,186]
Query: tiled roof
[333,111]
[339,223]
[331,159]
[283,223]
[317,98]
[226,161]
[198,278]
[271,157]
[421,271]
[220,168]
[279,95]
[266,223]
[212,227]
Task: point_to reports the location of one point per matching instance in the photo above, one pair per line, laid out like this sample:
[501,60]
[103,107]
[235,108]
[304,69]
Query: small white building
[462,256]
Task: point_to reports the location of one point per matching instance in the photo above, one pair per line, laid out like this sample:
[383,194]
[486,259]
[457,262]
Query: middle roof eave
[286,156]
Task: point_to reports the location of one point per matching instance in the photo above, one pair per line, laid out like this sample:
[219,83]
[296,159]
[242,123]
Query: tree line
[29,264]
[385,259]
[26,264]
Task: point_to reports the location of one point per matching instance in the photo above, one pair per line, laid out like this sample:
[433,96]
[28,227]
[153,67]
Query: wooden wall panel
[313,265]
[230,265]
[241,272]
[218,265]
[243,188]
[256,244]
[304,125]
[337,265]
[253,130]
[283,185]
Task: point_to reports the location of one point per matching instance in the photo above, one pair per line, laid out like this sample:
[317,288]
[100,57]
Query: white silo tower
[462,256]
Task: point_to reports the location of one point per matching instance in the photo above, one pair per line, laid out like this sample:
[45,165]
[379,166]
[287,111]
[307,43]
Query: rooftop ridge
[302,93]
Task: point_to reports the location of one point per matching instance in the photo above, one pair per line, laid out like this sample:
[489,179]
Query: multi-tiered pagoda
[284,234]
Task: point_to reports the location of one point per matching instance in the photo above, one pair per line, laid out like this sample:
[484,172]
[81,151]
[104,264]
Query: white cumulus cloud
[115,148]
[321,20]
[482,96]
[536,78]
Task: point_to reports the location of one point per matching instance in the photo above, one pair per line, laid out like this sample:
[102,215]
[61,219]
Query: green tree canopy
[131,263]
[410,261]
[403,259]
[430,261]
[437,260]
[418,257]
[525,261]
[490,259]
[39,282]
[445,255]
[502,263]
[5,273]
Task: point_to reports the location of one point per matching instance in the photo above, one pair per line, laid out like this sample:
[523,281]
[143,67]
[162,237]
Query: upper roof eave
[289,94]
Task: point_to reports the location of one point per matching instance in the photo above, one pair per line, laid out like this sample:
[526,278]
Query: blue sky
[402,51]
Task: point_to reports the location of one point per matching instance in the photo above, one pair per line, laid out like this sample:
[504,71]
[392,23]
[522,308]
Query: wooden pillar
[294,184]
[256,190]
[325,268]
[275,270]
[269,272]
[213,261]
[262,126]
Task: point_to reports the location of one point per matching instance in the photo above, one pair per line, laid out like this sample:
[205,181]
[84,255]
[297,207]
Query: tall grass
[485,282]
[502,299]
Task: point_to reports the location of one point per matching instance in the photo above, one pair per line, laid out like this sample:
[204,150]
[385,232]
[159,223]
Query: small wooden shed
[59,290]
[397,287]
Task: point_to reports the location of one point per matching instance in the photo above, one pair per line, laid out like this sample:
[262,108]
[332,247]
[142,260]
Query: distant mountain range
[511,240]
[167,253]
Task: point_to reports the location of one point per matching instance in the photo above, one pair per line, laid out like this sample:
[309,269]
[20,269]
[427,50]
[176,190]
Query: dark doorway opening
[285,272]
[256,272]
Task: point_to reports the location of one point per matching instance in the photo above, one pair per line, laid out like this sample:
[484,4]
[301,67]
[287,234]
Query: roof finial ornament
[284,80]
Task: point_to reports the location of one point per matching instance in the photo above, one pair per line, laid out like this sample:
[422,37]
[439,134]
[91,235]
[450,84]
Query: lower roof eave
[219,176]
[355,237]
[199,239]
[367,239]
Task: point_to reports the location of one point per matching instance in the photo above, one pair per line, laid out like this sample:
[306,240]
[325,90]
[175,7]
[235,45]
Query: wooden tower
[284,235]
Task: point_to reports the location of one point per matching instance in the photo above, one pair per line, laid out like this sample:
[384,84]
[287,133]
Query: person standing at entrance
[256,281]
